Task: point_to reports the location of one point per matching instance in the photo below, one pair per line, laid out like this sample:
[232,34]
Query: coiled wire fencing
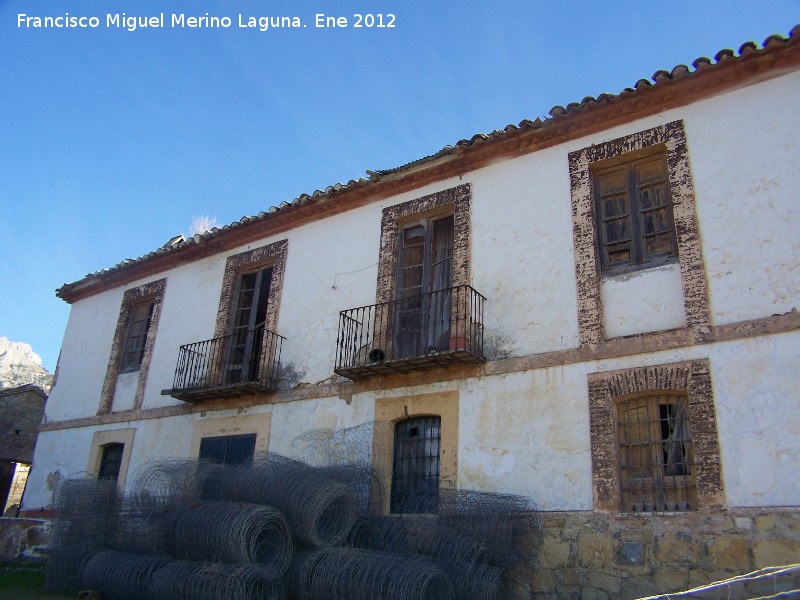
[282,527]
[126,576]
[87,510]
[329,573]
[225,532]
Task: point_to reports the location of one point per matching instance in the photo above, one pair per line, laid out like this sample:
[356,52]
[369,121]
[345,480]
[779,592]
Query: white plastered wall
[84,357]
[188,315]
[744,147]
[756,385]
[522,257]
[643,301]
[331,265]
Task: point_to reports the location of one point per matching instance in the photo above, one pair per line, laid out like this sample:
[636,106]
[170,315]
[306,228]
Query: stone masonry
[601,556]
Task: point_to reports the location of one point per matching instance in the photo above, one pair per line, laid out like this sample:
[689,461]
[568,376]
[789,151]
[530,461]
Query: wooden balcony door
[248,327]
[424,282]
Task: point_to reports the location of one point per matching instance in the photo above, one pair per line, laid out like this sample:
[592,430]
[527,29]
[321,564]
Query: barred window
[655,453]
[635,226]
[229,449]
[415,468]
[111,462]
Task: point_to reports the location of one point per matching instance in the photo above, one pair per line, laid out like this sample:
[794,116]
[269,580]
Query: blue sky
[111,140]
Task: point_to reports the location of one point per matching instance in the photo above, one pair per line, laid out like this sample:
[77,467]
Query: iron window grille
[415,467]
[656,459]
[229,449]
[111,462]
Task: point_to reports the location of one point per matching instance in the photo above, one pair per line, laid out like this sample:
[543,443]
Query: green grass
[26,583]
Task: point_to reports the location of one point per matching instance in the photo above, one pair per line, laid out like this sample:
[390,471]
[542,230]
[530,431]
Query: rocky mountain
[20,365]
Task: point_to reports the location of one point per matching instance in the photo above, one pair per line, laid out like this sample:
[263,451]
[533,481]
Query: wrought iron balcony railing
[246,362]
[410,334]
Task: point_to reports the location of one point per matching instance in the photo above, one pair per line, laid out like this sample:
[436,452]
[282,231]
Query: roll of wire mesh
[476,582]
[126,576]
[417,535]
[508,525]
[228,532]
[120,575]
[169,482]
[351,456]
[355,574]
[461,555]
[182,580]
[366,483]
[87,512]
[319,509]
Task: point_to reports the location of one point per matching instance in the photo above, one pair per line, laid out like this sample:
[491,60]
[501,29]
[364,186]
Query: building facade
[597,310]
[21,410]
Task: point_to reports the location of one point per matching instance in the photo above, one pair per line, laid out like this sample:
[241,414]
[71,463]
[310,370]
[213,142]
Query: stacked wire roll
[466,556]
[426,537]
[182,580]
[364,575]
[508,525]
[120,575]
[165,483]
[319,509]
[227,532]
[126,576]
[87,510]
[284,528]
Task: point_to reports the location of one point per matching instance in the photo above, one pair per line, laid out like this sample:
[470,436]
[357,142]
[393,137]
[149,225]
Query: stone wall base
[592,555]
[24,539]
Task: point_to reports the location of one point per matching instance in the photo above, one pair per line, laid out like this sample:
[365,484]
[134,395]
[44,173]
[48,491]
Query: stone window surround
[272,255]
[100,439]
[587,270]
[454,200]
[690,377]
[394,409]
[149,291]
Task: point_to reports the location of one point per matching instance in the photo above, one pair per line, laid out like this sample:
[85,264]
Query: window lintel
[602,164]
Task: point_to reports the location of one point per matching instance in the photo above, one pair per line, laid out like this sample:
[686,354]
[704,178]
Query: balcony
[246,362]
[415,333]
